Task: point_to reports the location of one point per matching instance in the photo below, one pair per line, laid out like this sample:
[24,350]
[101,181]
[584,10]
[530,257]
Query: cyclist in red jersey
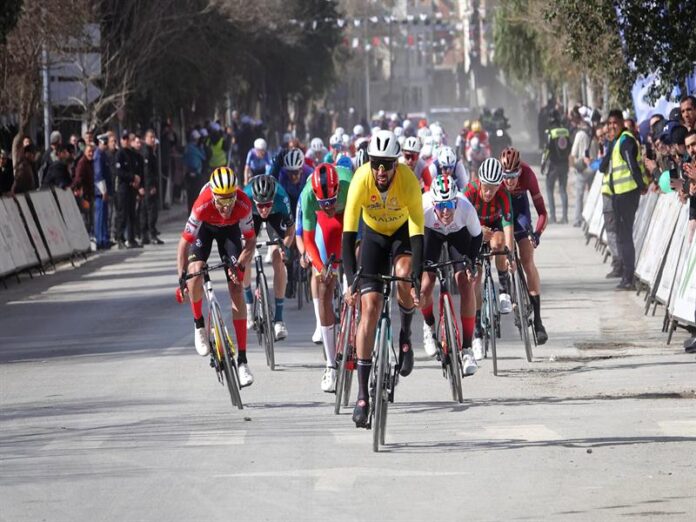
[519,180]
[221,213]
[494,208]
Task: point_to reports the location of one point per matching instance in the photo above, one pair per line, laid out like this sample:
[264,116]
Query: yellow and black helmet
[222,181]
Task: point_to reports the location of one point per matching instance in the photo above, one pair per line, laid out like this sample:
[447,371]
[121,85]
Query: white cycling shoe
[201,339]
[469,362]
[477,348]
[246,378]
[328,380]
[316,336]
[505,304]
[429,341]
[281,331]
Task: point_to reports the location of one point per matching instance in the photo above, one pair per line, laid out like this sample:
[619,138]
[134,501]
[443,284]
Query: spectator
[127,183]
[194,156]
[555,164]
[103,189]
[24,173]
[139,166]
[83,186]
[58,172]
[148,191]
[687,110]
[623,181]
[51,155]
[543,123]
[6,173]
[578,153]
[219,146]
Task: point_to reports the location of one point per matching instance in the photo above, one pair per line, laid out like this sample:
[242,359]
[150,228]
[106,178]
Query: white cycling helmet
[340,131]
[398,131]
[446,157]
[316,145]
[424,132]
[412,144]
[361,157]
[406,124]
[375,130]
[443,188]
[437,139]
[359,142]
[335,140]
[346,140]
[260,144]
[358,130]
[426,152]
[384,145]
[491,172]
[401,139]
[294,159]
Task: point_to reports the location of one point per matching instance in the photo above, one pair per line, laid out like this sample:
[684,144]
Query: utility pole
[367,76]
[46,95]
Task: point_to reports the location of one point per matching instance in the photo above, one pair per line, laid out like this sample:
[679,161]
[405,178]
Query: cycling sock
[364,368]
[200,322]
[327,335]
[240,331]
[428,315]
[315,302]
[248,295]
[536,304]
[279,302]
[504,281]
[467,330]
[197,308]
[406,319]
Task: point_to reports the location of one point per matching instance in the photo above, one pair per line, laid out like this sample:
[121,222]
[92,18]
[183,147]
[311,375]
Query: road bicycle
[448,337]
[222,348]
[522,306]
[346,358]
[385,368]
[263,320]
[490,310]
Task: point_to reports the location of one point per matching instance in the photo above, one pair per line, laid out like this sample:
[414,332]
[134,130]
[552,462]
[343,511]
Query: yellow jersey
[384,213]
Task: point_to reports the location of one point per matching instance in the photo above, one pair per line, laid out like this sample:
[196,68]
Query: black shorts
[276,226]
[458,247]
[377,252]
[229,243]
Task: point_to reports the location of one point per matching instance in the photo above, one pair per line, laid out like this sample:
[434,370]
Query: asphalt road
[108,413]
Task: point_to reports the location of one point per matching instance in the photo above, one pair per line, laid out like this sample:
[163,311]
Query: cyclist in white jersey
[446,163]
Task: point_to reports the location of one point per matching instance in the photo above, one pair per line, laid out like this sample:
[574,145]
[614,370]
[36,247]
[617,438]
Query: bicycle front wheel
[491,312]
[300,283]
[454,364]
[381,387]
[223,352]
[343,354]
[268,333]
[523,316]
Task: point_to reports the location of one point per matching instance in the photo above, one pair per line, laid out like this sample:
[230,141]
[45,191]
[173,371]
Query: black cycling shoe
[360,413]
[405,357]
[541,334]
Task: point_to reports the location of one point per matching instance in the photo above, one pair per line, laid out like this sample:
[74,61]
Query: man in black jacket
[148,191]
[127,182]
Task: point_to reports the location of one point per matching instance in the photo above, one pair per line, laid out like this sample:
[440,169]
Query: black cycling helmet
[554,116]
[263,188]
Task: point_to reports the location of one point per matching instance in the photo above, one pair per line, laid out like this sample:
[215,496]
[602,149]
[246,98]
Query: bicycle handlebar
[432,267]
[181,291]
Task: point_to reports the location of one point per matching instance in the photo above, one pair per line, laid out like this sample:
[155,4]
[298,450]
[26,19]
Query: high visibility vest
[218,156]
[619,174]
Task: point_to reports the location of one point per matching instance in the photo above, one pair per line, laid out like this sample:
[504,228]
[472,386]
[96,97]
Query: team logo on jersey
[373,198]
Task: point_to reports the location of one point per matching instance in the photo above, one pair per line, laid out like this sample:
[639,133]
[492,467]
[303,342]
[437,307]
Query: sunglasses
[386,164]
[445,205]
[327,203]
[292,172]
[225,203]
[410,156]
[264,206]
[511,175]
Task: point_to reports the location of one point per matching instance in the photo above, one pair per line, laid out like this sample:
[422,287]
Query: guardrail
[665,258]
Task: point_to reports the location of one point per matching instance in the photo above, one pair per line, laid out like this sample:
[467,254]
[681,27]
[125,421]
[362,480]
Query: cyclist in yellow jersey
[388,196]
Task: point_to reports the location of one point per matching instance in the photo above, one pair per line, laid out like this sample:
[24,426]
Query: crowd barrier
[39,228]
[665,258]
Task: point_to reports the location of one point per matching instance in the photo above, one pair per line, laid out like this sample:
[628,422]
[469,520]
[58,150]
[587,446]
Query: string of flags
[437,20]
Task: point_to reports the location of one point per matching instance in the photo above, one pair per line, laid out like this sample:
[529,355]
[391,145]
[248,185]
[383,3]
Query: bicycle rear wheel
[223,352]
[343,354]
[492,320]
[523,316]
[268,334]
[454,361]
[381,398]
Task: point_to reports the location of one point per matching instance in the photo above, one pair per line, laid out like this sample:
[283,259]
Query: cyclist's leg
[432,248]
[401,253]
[562,184]
[498,243]
[459,245]
[230,245]
[198,256]
[534,286]
[280,275]
[327,237]
[248,294]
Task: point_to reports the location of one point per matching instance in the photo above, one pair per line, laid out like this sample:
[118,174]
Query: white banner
[16,238]
[643,218]
[33,228]
[594,197]
[660,230]
[664,289]
[77,233]
[685,289]
[596,223]
[7,265]
[51,224]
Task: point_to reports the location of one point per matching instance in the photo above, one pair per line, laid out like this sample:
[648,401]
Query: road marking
[216,438]
[77,444]
[678,428]
[529,432]
[351,436]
